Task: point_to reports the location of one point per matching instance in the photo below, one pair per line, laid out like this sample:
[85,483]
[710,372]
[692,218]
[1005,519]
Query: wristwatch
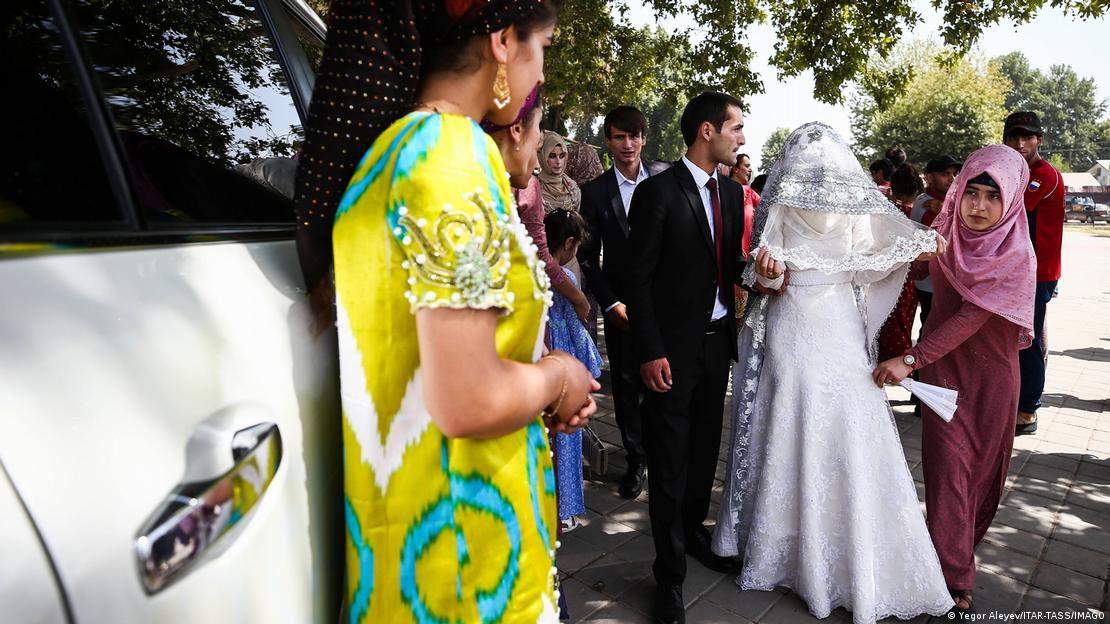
[909,360]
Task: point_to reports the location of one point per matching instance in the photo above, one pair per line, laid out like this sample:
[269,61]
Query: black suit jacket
[673,267]
[604,214]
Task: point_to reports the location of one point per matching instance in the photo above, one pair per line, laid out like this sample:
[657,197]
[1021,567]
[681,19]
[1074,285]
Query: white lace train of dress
[820,498]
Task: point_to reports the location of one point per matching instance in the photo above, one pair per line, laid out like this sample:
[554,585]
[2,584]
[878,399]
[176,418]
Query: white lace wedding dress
[819,497]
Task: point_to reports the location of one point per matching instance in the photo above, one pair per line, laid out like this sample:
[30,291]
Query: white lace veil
[818,189]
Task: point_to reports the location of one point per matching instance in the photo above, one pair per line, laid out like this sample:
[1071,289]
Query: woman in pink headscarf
[982,316]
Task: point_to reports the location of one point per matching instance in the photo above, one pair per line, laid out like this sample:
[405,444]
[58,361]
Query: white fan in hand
[940,400]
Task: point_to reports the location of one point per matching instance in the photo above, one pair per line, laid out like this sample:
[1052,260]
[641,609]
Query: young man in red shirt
[1044,205]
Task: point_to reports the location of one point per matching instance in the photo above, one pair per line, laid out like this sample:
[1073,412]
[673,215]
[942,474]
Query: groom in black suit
[605,203]
[686,226]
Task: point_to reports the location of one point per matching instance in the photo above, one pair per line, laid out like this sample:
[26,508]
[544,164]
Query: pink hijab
[995,269]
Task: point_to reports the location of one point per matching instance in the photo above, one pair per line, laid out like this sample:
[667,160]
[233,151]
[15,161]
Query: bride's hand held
[767,266]
[942,246]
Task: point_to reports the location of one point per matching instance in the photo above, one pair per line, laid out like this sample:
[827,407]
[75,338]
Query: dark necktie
[718,238]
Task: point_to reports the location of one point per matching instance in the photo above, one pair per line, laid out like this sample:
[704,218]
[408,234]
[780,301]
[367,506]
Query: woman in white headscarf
[819,497]
[560,192]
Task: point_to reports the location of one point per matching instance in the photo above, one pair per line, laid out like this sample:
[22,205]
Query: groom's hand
[656,375]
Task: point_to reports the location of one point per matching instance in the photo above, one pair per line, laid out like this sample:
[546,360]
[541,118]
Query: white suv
[170,445]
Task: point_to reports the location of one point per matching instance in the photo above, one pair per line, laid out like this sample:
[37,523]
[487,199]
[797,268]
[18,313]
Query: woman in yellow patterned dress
[440,309]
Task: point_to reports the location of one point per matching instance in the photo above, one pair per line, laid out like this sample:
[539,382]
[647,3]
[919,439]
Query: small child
[565,232]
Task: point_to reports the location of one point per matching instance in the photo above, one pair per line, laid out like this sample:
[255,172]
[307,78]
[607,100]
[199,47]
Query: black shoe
[697,546]
[669,608]
[1026,428]
[633,481]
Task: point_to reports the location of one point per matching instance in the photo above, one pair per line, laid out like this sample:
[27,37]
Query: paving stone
[604,533]
[1005,562]
[634,514]
[1040,601]
[791,609]
[617,613]
[1029,502]
[575,553]
[996,593]
[585,600]
[749,605]
[706,612]
[1046,489]
[1061,461]
[1049,474]
[641,597]
[1092,473]
[639,549]
[1083,527]
[699,579]
[611,575]
[1091,496]
[601,499]
[1024,520]
[1089,562]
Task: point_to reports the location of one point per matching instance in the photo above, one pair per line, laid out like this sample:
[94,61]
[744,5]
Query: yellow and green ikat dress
[438,530]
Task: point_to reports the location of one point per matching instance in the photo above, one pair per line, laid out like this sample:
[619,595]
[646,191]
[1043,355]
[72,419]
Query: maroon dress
[975,352]
[895,336]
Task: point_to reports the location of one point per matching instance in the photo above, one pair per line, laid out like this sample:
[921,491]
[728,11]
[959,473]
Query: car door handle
[231,459]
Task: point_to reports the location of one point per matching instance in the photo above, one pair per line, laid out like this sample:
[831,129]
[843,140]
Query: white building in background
[1081,182]
[1101,172]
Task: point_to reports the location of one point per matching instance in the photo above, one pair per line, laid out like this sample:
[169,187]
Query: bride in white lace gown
[819,497]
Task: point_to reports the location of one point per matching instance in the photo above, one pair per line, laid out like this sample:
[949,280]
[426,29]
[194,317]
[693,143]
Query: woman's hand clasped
[574,407]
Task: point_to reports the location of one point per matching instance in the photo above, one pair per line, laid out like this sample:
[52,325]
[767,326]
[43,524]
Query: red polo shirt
[1044,203]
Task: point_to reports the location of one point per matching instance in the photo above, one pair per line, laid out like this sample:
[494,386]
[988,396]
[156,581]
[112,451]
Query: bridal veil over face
[818,189]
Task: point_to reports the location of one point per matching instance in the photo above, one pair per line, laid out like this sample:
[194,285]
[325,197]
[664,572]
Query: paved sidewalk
[1049,548]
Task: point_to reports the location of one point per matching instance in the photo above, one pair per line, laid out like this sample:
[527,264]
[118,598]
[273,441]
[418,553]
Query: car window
[201,106]
[312,45]
[50,164]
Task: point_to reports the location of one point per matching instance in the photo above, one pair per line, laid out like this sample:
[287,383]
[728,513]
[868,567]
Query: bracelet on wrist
[553,409]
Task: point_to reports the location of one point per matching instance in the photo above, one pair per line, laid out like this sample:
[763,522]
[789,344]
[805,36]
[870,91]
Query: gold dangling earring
[501,94]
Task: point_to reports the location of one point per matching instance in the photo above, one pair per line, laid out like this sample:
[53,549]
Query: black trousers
[624,372]
[682,432]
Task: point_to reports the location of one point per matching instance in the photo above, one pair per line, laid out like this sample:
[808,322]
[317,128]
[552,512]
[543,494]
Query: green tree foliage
[837,40]
[772,147]
[950,107]
[1068,105]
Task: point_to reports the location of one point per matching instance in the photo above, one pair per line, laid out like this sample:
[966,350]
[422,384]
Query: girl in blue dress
[565,232]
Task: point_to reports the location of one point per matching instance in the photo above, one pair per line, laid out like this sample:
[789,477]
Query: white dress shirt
[701,178]
[627,187]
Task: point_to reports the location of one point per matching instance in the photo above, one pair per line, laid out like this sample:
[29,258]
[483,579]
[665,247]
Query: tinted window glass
[201,105]
[50,166]
[313,46]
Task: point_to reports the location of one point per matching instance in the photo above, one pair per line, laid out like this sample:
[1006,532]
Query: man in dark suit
[605,203]
[684,258]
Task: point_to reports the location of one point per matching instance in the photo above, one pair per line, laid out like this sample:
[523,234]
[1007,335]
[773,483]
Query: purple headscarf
[995,268]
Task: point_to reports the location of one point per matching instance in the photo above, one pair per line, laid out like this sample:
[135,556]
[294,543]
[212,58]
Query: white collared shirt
[627,187]
[701,178]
